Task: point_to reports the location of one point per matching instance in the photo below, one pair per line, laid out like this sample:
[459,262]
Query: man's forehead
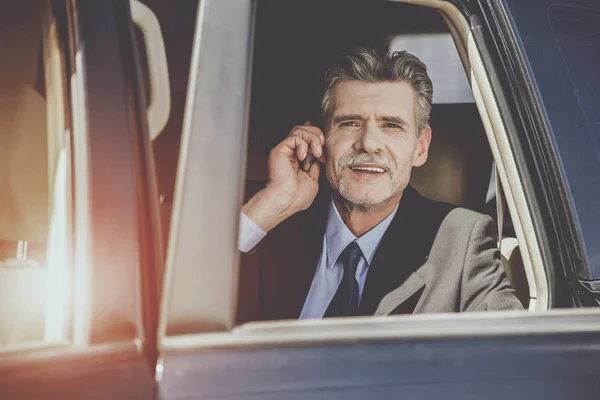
[383,97]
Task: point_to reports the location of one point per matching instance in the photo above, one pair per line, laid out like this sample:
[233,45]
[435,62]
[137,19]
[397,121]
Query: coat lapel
[401,252]
[398,296]
[289,266]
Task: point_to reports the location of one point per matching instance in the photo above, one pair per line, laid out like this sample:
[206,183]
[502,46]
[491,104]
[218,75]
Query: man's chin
[365,194]
[365,199]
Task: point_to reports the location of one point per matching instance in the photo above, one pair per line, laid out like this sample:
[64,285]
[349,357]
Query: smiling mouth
[367,169]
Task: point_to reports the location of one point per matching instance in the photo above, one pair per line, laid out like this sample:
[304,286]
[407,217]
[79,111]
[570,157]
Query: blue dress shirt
[330,270]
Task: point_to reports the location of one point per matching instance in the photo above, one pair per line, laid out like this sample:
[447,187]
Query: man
[369,244]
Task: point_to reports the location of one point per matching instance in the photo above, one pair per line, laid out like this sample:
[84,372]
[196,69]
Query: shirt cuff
[250,234]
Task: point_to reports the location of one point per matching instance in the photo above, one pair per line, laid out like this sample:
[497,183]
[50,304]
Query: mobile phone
[308,161]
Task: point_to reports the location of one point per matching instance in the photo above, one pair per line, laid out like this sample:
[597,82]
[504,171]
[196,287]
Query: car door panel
[495,357]
[116,371]
[107,347]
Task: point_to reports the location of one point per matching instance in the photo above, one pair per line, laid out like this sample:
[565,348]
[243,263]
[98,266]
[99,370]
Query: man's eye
[392,125]
[349,123]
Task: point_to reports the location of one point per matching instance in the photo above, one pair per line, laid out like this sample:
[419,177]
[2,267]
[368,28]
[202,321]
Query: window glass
[562,44]
[34,170]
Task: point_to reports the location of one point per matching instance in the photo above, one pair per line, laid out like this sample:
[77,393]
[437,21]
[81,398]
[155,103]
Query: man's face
[371,141]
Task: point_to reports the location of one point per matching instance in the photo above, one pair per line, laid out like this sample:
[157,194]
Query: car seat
[23,212]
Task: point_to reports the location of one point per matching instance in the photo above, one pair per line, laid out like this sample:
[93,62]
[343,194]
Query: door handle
[160,88]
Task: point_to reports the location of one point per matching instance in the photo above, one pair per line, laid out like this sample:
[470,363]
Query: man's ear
[422,150]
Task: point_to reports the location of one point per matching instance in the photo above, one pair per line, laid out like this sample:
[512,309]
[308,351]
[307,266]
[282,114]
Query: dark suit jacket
[434,257]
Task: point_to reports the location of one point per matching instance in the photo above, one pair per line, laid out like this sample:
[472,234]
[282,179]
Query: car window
[562,45]
[205,290]
[34,171]
[459,164]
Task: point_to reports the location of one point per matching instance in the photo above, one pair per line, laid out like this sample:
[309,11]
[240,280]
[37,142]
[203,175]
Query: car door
[81,316]
[203,355]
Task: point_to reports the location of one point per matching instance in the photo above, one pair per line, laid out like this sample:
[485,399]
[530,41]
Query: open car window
[205,288]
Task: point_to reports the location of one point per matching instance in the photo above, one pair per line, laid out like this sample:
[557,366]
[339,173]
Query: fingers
[307,131]
[299,141]
[301,148]
[313,172]
[313,136]
[292,146]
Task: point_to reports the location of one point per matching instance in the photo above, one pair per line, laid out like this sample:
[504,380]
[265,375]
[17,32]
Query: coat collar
[338,236]
[398,296]
[403,249]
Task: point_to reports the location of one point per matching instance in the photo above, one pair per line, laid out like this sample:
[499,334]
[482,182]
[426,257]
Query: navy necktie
[345,301]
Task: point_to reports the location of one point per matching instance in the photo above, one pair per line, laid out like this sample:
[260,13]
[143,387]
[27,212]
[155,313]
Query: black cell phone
[308,161]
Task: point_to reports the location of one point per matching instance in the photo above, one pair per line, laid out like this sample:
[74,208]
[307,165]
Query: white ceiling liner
[438,52]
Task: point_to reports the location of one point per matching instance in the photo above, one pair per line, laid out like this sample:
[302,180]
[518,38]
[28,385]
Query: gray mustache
[358,158]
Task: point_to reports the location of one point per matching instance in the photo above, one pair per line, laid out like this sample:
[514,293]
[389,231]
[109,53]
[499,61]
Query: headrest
[443,176]
[23,165]
[458,168]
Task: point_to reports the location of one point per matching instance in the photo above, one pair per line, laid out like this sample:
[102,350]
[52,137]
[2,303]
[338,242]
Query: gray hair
[367,64]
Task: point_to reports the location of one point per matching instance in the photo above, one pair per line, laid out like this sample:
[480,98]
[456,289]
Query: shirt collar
[338,236]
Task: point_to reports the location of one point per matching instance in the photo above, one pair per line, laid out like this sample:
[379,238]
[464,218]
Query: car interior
[34,199]
[29,148]
[293,45]
[459,166]
[24,174]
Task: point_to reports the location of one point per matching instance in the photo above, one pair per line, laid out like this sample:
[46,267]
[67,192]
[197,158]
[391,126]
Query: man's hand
[289,189]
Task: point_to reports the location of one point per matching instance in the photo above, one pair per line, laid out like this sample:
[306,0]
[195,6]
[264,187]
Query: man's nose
[370,139]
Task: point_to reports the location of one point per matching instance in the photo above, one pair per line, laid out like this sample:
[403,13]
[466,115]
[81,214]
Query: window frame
[571,277]
[197,325]
[540,169]
[215,129]
[499,125]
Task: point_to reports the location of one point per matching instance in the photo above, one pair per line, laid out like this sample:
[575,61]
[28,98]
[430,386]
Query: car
[131,132]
